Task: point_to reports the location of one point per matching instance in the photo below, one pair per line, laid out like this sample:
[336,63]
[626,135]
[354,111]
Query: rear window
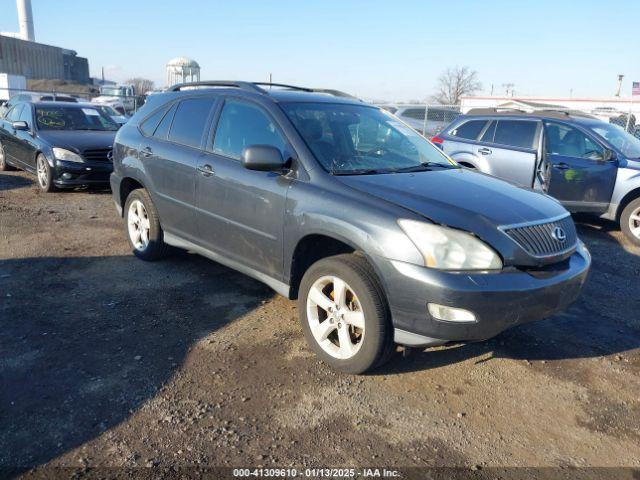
[515,133]
[469,130]
[190,121]
[415,113]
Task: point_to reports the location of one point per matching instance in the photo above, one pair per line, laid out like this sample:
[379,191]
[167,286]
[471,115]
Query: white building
[182,70]
[599,107]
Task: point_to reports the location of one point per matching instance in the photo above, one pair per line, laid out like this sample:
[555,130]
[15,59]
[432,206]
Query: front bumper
[73,174]
[498,300]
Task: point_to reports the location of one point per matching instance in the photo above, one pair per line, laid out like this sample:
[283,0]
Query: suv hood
[78,140]
[462,199]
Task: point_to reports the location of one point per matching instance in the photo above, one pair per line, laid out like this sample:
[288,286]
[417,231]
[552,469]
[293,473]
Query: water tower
[182,70]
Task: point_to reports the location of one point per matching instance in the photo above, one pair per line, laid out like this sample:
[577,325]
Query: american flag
[635,89]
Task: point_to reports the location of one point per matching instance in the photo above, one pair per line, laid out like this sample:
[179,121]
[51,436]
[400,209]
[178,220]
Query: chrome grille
[539,240]
[97,155]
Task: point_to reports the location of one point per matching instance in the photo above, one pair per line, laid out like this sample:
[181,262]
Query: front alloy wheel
[335,317]
[630,221]
[344,314]
[44,174]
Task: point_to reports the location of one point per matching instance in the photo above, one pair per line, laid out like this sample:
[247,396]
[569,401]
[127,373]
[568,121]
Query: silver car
[589,165]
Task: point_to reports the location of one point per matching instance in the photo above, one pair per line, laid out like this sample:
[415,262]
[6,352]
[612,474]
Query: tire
[4,166]
[143,227]
[332,330]
[44,174]
[630,221]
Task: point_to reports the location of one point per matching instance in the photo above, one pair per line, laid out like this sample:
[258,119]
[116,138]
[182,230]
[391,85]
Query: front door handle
[561,166]
[484,151]
[146,152]
[206,170]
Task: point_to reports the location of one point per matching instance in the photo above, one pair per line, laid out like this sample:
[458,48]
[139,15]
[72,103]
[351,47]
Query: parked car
[380,236]
[437,117]
[35,97]
[65,145]
[111,112]
[589,165]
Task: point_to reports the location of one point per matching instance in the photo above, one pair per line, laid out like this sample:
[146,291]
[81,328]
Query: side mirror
[264,158]
[20,125]
[609,155]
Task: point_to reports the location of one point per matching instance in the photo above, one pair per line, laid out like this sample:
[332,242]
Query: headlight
[66,155]
[449,249]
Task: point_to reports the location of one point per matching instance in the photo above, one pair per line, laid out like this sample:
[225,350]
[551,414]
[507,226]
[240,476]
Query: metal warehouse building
[40,61]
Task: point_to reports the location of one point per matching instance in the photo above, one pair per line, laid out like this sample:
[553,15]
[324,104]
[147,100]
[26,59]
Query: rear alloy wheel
[143,226]
[4,166]
[630,221]
[344,314]
[44,174]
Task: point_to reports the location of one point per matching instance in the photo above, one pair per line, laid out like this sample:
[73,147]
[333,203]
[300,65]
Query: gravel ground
[106,360]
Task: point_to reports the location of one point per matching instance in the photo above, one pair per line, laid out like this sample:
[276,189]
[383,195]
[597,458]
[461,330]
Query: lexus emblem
[559,234]
[110,156]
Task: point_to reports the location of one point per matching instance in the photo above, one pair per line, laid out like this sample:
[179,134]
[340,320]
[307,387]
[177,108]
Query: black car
[65,145]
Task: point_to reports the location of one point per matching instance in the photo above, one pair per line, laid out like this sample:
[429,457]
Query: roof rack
[489,111]
[256,87]
[217,83]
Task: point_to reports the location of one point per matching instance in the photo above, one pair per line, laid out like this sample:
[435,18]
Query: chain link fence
[430,119]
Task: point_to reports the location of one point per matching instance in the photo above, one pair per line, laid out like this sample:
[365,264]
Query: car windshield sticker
[91,111]
[51,118]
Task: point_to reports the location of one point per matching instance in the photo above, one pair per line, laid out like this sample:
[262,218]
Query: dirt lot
[106,360]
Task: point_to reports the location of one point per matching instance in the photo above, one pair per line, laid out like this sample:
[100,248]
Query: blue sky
[391,49]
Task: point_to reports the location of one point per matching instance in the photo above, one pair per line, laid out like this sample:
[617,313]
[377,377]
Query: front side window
[515,133]
[25,115]
[627,144]
[73,118]
[357,139]
[570,142]
[14,114]
[190,121]
[242,125]
[469,130]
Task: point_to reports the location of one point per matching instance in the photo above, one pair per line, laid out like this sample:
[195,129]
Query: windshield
[358,139]
[626,143]
[65,118]
[110,90]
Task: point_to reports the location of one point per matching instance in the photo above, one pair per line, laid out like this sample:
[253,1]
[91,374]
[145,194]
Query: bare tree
[141,85]
[455,82]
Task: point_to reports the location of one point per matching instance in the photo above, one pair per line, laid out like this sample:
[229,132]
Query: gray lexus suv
[380,236]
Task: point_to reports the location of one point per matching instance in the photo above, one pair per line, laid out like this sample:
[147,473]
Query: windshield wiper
[363,171]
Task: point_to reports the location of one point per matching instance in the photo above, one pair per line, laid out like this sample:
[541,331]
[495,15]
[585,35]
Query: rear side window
[241,125]
[469,130]
[515,133]
[151,123]
[163,128]
[190,121]
[489,133]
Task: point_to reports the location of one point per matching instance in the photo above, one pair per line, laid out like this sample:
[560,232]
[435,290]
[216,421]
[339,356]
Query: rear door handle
[484,151]
[146,152]
[561,166]
[206,170]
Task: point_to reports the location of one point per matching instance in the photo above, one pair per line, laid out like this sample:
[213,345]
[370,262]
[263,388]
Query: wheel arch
[316,246]
[629,197]
[128,185]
